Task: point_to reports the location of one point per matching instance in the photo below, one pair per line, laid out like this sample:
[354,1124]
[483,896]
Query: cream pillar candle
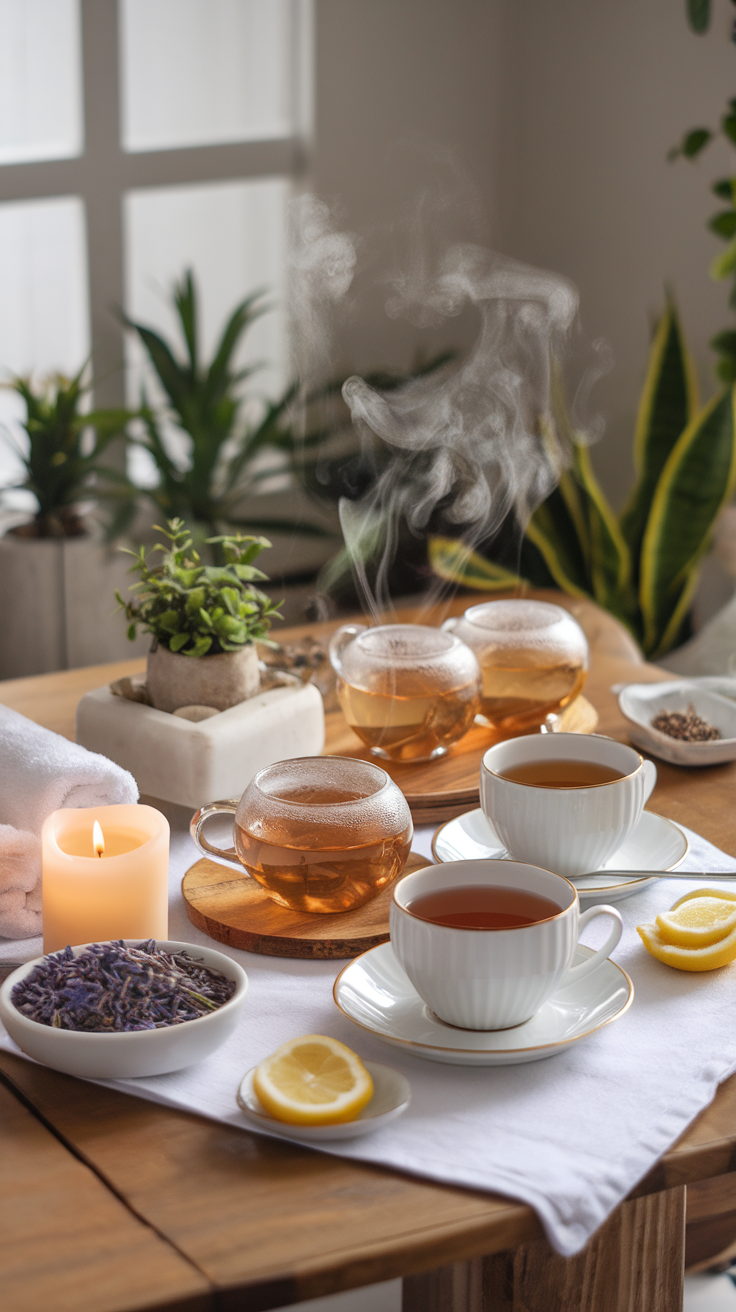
[122,893]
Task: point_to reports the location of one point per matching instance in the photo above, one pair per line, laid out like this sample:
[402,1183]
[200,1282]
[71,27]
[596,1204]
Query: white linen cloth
[41,772]
[570,1135]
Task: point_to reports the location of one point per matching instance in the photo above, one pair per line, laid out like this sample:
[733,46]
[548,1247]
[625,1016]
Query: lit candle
[105,875]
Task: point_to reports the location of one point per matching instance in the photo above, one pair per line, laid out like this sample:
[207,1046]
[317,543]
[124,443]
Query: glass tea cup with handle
[318,833]
[409,691]
[533,657]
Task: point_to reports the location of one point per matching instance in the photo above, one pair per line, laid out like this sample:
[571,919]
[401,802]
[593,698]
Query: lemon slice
[723,894]
[313,1080]
[704,958]
[697,922]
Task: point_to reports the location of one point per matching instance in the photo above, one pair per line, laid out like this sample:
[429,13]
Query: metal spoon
[660,874]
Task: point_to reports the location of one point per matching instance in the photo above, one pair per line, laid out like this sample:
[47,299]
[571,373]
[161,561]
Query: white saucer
[374,992]
[391,1097]
[655,844]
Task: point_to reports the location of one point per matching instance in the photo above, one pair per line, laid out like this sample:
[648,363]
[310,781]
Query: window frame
[104,173]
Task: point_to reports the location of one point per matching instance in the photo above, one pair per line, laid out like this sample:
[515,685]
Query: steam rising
[477,440]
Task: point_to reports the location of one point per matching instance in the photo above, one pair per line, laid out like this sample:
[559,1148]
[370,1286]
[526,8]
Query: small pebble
[688,728]
[196,713]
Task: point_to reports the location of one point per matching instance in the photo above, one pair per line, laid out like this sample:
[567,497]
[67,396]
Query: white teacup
[570,830]
[491,979]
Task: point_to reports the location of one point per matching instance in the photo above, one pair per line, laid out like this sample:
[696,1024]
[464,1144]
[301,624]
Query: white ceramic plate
[374,992]
[391,1097]
[640,702]
[655,844]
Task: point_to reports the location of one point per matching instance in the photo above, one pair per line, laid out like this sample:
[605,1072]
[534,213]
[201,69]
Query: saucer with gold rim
[654,844]
[375,993]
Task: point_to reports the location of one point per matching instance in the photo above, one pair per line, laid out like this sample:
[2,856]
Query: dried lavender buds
[111,988]
[688,728]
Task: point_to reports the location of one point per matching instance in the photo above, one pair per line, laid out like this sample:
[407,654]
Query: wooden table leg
[634,1263]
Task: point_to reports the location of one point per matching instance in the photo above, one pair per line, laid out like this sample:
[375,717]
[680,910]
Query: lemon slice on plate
[313,1080]
[697,922]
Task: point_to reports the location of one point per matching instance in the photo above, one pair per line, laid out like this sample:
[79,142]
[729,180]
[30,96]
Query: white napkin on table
[570,1135]
[41,772]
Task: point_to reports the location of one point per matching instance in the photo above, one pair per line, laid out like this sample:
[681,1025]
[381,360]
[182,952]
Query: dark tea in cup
[483,906]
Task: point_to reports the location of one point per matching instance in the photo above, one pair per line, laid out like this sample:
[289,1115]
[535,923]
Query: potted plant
[229,458]
[204,620]
[54,568]
[642,565]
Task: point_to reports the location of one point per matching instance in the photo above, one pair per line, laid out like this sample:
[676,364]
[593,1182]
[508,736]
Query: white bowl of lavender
[123,1009]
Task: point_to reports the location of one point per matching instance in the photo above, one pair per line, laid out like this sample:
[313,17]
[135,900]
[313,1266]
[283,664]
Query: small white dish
[655,844]
[391,1097]
[374,992]
[129,1054]
[640,702]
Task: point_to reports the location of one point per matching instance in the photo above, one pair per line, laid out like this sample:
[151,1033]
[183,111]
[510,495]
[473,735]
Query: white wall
[562,112]
[388,72]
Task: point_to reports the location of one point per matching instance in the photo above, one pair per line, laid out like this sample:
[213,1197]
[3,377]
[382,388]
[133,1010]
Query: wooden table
[111,1204]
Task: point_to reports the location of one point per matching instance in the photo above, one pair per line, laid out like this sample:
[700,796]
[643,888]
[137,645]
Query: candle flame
[98,839]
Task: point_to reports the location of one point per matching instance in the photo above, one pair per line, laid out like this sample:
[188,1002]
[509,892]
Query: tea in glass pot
[318,833]
[408,691]
[533,656]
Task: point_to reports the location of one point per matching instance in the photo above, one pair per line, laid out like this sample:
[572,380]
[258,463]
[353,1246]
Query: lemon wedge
[313,1080]
[709,957]
[697,922]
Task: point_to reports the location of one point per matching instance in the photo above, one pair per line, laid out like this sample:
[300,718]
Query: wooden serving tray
[234,909]
[441,789]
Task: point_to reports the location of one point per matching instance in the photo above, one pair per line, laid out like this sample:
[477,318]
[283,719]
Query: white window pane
[202,71]
[44,325]
[40,80]
[233,237]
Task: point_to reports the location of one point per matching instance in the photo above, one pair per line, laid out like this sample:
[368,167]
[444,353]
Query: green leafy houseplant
[195,609]
[723,223]
[61,462]
[643,565]
[206,402]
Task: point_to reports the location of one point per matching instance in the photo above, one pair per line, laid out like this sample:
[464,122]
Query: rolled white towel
[41,772]
[20,883]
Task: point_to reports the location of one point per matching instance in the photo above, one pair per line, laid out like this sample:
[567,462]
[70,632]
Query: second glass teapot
[408,691]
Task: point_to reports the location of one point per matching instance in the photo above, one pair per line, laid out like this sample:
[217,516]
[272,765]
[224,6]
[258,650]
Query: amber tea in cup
[483,906]
[318,833]
[533,657]
[408,691]
[561,774]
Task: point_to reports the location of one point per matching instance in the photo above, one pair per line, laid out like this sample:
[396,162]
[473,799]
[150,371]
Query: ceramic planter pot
[221,681]
[58,598]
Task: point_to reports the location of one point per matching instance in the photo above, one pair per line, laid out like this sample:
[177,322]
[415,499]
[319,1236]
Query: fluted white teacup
[491,979]
[570,830]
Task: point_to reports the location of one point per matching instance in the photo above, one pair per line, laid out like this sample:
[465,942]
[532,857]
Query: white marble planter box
[195,763]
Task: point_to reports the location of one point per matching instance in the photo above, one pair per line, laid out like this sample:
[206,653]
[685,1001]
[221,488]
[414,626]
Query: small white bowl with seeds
[683,721]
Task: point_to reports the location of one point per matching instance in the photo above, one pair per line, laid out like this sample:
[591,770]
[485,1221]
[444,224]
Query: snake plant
[643,565]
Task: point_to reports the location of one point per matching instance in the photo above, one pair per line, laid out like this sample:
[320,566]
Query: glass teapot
[533,657]
[408,691]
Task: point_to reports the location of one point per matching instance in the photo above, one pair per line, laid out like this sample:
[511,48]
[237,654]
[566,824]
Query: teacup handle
[449,625]
[208,849]
[587,967]
[649,770]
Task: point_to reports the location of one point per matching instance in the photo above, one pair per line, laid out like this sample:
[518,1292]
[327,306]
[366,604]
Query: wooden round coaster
[234,909]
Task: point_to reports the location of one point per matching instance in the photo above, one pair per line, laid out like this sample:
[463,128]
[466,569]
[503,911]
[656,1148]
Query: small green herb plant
[61,460]
[196,609]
